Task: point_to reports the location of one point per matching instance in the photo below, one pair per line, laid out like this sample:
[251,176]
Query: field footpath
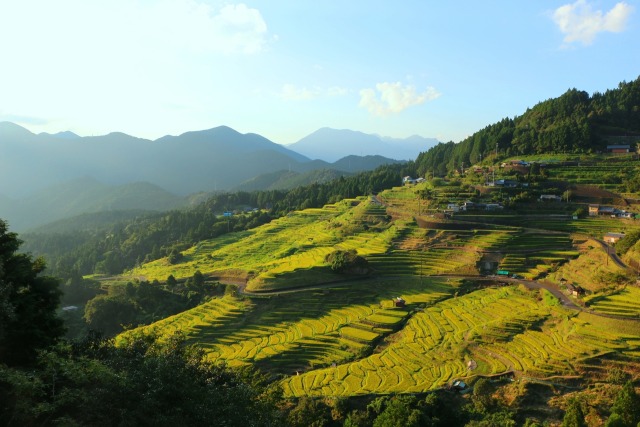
[565,300]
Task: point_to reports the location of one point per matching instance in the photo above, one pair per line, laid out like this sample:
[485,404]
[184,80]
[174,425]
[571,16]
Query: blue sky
[283,69]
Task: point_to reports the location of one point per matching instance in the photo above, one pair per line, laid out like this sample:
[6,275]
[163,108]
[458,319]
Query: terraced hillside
[499,329]
[300,331]
[285,249]
[332,335]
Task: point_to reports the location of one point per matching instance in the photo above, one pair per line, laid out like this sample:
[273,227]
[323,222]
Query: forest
[572,123]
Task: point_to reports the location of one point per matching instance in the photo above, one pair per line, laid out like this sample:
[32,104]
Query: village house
[595,210]
[507,183]
[550,198]
[493,206]
[468,206]
[613,238]
[408,180]
[575,290]
[608,211]
[453,207]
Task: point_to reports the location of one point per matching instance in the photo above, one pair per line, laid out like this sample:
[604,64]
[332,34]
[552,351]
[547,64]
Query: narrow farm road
[565,300]
[612,253]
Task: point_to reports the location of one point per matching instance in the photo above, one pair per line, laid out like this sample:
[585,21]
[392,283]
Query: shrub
[342,261]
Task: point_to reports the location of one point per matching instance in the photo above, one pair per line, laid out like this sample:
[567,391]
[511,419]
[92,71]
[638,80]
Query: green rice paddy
[348,338]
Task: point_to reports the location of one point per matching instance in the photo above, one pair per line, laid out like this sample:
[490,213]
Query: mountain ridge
[330,145]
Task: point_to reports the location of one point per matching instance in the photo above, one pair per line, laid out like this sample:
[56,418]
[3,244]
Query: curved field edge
[505,329]
[300,331]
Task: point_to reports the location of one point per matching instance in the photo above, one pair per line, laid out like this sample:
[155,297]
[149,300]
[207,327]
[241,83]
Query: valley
[494,281]
[324,333]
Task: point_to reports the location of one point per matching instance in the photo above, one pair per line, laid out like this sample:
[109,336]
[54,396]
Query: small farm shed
[575,290]
[459,385]
[613,237]
[618,148]
[399,302]
[408,180]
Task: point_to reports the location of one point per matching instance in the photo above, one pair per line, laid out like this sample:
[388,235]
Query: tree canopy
[28,301]
[572,123]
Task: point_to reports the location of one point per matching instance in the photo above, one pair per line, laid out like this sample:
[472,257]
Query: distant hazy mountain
[91,222]
[64,135]
[84,195]
[202,161]
[332,144]
[46,177]
[207,160]
[284,180]
[320,172]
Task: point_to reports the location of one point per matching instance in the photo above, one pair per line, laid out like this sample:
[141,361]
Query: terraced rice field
[501,329]
[592,270]
[294,244]
[591,226]
[349,339]
[625,302]
[605,175]
[533,254]
[300,331]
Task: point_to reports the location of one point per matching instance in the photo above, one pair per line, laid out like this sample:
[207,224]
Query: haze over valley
[71,174]
[329,214]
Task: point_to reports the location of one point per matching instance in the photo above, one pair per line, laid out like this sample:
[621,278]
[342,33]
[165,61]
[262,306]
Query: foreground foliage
[27,303]
[139,383]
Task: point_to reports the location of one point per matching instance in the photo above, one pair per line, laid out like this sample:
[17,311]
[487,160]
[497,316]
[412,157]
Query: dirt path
[565,300]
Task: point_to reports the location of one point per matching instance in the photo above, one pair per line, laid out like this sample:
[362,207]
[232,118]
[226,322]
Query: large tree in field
[28,301]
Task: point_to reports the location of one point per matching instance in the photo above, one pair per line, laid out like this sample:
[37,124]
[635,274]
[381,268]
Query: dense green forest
[153,236]
[572,123]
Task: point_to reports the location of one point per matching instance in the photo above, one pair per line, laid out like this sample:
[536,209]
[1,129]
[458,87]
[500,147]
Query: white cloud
[394,98]
[116,63]
[124,24]
[580,23]
[291,92]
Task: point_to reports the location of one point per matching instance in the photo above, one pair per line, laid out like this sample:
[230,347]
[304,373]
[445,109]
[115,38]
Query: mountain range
[45,177]
[331,145]
[208,160]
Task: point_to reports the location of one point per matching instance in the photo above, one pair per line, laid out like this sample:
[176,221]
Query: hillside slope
[81,196]
[572,123]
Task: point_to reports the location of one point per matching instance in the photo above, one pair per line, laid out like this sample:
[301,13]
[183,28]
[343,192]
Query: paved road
[612,253]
